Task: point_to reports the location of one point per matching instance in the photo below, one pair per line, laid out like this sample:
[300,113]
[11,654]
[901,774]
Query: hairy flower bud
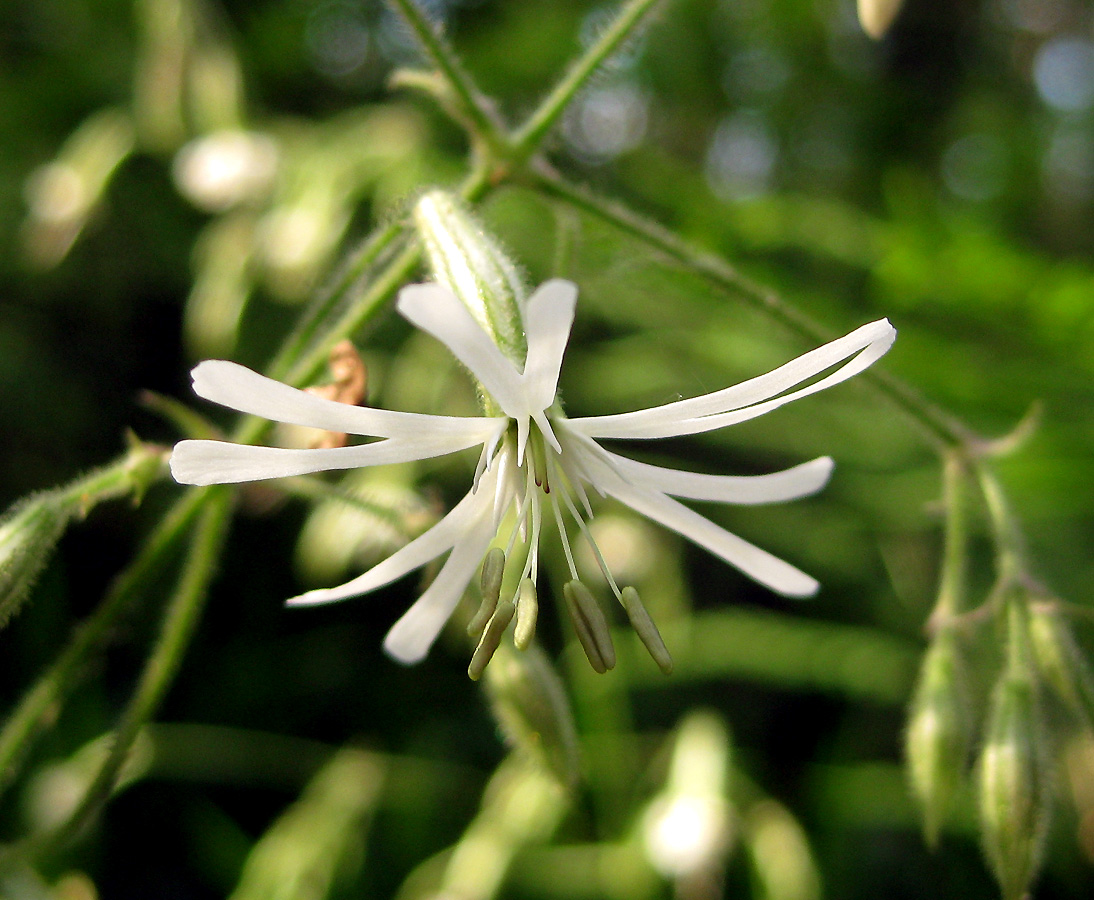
[1060,662]
[528,701]
[470,263]
[1013,808]
[28,534]
[936,742]
[30,530]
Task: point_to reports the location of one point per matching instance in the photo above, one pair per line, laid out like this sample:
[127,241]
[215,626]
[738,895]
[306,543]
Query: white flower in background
[535,469]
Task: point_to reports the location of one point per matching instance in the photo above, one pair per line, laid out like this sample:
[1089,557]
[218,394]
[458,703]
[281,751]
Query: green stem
[332,294]
[1010,546]
[301,366]
[473,109]
[133,474]
[952,580]
[940,428]
[179,624]
[530,135]
[41,703]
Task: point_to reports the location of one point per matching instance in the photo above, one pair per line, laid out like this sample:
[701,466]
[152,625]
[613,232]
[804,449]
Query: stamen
[490,640]
[600,561]
[574,477]
[644,626]
[493,569]
[527,612]
[564,537]
[590,626]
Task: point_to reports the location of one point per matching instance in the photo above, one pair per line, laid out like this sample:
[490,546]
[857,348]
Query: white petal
[427,546]
[239,388]
[221,462]
[410,638]
[747,400]
[439,312]
[757,564]
[777,487]
[548,317]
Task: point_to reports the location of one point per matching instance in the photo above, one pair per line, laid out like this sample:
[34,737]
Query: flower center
[548,481]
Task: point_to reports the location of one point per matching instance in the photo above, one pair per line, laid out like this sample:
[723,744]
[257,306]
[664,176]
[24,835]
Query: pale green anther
[469,262]
[493,570]
[527,612]
[647,631]
[937,738]
[1013,788]
[491,638]
[590,626]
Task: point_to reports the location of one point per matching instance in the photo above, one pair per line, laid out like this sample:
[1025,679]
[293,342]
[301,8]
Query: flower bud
[470,263]
[1060,662]
[28,534]
[528,700]
[876,16]
[937,739]
[1013,809]
[317,838]
[688,826]
[30,530]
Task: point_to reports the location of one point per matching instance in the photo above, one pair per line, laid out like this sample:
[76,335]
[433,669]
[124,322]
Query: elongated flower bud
[530,704]
[1013,808]
[1060,662]
[30,530]
[876,16]
[470,263]
[28,534]
[937,739]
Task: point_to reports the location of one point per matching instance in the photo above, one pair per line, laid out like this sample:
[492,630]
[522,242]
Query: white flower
[536,465]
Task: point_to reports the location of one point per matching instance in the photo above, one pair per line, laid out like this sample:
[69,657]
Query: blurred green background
[943,177]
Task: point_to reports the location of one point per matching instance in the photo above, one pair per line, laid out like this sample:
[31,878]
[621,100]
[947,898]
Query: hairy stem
[473,108]
[530,135]
[179,623]
[41,703]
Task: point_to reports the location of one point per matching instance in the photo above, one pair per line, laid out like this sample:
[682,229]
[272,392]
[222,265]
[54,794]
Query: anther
[491,637]
[646,629]
[493,568]
[590,626]
[527,611]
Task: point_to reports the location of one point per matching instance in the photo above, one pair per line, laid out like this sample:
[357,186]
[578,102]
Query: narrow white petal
[241,389]
[427,546]
[548,318]
[410,638]
[757,564]
[750,398]
[777,487]
[221,462]
[439,312]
